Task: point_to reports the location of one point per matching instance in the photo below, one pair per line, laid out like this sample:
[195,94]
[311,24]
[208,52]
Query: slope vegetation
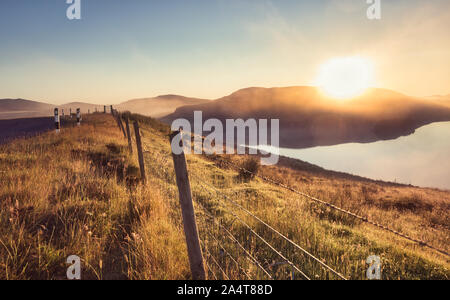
[79,193]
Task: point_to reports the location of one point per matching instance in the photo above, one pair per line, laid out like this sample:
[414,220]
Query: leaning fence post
[187,209]
[57,123]
[139,149]
[119,119]
[130,144]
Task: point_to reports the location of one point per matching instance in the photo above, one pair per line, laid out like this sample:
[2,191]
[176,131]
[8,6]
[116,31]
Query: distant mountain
[158,106]
[22,105]
[308,118]
[154,107]
[21,108]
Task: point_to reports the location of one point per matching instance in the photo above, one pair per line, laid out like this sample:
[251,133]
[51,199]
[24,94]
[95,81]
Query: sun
[345,77]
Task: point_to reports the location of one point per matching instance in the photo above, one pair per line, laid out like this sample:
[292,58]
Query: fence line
[330,205]
[364,219]
[229,255]
[235,240]
[262,239]
[277,232]
[286,260]
[210,270]
[215,261]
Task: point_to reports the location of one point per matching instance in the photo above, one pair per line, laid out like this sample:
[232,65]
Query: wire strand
[280,234]
[269,245]
[364,219]
[229,255]
[235,240]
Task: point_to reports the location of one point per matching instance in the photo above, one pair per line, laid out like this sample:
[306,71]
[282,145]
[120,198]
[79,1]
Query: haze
[211,48]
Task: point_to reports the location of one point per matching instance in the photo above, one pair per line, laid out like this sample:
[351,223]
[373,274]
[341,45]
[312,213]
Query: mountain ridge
[308,118]
[153,106]
[159,106]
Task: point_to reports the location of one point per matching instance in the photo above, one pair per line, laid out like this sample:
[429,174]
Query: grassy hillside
[78,193]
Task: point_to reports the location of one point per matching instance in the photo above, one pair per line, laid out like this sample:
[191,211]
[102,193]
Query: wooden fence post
[139,149]
[119,120]
[187,209]
[130,144]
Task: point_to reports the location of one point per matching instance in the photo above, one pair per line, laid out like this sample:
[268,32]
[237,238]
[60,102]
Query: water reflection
[420,159]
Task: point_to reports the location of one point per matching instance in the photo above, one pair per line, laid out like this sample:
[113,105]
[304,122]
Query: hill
[21,108]
[158,106]
[308,118]
[78,193]
[154,107]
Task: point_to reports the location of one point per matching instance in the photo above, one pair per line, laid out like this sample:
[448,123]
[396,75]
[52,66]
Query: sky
[121,50]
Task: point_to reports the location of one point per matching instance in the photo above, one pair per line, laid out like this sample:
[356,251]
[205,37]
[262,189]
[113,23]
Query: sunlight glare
[345,77]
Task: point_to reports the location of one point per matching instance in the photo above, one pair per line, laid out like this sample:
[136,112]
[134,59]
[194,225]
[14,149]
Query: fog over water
[421,159]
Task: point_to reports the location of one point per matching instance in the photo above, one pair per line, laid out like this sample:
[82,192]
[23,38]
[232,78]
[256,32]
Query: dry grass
[79,193]
[419,212]
[75,194]
[339,240]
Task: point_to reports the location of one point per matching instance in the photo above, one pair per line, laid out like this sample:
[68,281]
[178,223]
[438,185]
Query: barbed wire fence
[247,250]
[339,209]
[238,244]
